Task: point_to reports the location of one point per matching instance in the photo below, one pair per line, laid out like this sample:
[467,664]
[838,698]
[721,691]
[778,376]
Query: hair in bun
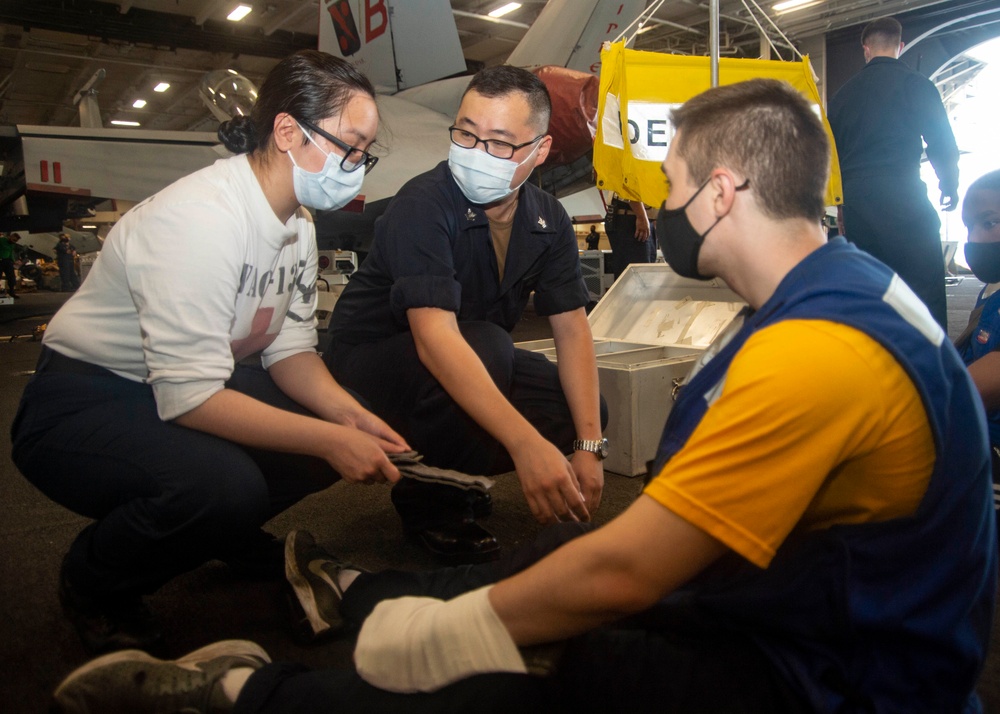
[238,135]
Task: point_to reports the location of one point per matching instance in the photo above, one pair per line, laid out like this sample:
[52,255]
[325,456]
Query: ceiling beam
[148,28]
[290,16]
[208,9]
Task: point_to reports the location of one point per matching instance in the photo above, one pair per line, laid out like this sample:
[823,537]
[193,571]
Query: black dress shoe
[110,623]
[456,543]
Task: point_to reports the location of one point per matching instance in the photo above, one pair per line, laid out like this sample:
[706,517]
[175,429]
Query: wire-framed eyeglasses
[494,147]
[354,158]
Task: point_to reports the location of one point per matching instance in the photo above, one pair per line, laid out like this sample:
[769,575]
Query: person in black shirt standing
[881,119]
[65,257]
[593,239]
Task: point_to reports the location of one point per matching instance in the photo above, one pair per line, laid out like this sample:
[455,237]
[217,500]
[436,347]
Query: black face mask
[679,240]
[984,261]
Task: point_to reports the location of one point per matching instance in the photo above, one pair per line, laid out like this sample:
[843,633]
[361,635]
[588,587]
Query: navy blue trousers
[891,219]
[391,378]
[669,659]
[625,247]
[165,499]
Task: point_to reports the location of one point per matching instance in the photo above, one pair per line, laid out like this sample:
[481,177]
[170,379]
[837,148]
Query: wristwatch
[594,446]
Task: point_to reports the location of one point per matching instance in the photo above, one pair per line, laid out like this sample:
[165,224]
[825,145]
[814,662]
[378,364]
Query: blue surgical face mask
[329,188]
[482,177]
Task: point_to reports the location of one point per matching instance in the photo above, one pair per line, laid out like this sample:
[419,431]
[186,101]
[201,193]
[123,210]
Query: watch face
[603,448]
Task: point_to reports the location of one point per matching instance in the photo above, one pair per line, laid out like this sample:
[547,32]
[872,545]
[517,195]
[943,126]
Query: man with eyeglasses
[422,330]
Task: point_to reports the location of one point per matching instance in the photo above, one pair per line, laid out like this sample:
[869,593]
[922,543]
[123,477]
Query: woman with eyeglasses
[179,400]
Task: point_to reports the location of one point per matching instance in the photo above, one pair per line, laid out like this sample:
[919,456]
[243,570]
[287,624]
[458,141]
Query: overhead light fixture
[123,122]
[239,13]
[88,226]
[139,103]
[162,87]
[505,9]
[792,5]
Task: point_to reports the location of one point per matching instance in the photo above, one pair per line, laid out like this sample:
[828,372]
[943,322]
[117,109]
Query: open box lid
[651,304]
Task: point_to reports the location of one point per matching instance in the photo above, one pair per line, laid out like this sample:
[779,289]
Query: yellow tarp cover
[638,90]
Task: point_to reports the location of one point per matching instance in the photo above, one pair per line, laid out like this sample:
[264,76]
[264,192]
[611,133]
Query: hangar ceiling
[49,49]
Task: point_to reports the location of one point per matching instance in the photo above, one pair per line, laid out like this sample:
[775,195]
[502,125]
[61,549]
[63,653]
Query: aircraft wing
[112,163]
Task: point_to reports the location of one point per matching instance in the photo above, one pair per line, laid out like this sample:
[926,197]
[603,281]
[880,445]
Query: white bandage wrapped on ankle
[420,644]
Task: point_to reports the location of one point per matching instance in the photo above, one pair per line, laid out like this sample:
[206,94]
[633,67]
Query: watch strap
[594,446]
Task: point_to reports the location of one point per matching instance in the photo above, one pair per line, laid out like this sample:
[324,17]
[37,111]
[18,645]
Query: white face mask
[328,189]
[484,178]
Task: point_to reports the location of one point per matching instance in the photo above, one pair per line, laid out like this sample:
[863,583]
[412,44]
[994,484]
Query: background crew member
[979,343]
[422,329]
[66,259]
[140,415]
[881,119]
[629,234]
[8,254]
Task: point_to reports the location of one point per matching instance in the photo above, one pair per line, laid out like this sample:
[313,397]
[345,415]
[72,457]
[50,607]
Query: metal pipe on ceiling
[677,25]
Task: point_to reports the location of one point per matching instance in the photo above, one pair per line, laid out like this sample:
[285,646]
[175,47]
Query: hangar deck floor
[37,644]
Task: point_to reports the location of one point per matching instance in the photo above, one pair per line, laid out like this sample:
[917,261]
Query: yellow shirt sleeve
[816,424]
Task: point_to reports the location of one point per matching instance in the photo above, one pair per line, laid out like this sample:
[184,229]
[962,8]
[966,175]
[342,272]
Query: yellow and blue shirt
[837,447]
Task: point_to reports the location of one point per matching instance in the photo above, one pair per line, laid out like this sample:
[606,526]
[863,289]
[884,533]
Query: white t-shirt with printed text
[190,281]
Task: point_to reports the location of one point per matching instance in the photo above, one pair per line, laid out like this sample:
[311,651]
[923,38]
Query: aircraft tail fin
[569,33]
[396,43]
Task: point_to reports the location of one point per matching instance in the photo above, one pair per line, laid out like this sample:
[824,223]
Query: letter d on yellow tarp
[637,92]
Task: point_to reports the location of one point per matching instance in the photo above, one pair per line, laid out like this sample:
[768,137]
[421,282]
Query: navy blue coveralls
[881,119]
[432,248]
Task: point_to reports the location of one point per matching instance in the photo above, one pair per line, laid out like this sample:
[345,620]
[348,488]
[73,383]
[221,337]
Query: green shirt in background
[7,249]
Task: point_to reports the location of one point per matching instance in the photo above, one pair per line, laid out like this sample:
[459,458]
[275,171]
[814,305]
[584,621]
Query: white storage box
[648,330]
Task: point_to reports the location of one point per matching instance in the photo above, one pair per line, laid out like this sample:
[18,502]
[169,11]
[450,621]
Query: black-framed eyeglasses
[494,147]
[354,158]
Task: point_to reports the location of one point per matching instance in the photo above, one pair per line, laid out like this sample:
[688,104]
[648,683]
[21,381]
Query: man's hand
[589,470]
[641,221]
[949,201]
[549,483]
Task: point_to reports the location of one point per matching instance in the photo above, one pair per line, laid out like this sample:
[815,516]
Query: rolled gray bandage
[410,466]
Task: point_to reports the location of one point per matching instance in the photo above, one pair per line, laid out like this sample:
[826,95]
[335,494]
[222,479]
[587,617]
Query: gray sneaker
[133,681]
[315,600]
